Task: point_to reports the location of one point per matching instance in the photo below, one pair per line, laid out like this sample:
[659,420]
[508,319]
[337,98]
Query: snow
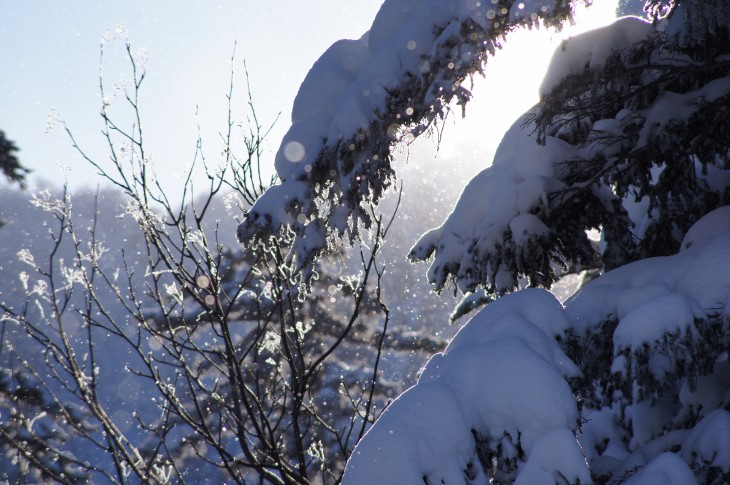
[502,386]
[363,94]
[709,392]
[670,312]
[555,457]
[349,84]
[498,198]
[697,21]
[505,376]
[708,442]
[319,93]
[699,276]
[592,49]
[666,469]
[506,209]
[526,227]
[672,108]
[533,315]
[647,421]
[299,148]
[707,229]
[502,377]
[601,428]
[413,450]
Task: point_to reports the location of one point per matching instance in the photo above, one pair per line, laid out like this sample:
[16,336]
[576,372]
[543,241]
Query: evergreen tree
[634,139]
[625,383]
[9,164]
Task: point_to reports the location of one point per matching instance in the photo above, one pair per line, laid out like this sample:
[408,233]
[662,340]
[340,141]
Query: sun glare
[511,82]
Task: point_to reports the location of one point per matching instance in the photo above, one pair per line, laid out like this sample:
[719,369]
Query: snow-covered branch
[363,96]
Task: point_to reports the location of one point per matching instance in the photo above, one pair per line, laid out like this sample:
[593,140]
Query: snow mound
[708,442]
[556,458]
[666,469]
[592,49]
[533,315]
[672,313]
[501,384]
[500,390]
[693,282]
[710,227]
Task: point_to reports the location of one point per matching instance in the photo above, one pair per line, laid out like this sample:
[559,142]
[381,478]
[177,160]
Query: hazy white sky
[50,54]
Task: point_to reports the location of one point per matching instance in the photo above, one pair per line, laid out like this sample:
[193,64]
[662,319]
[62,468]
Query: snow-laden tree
[629,115]
[625,383]
[621,169]
[365,95]
[629,139]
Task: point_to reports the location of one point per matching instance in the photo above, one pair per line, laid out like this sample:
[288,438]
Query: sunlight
[510,86]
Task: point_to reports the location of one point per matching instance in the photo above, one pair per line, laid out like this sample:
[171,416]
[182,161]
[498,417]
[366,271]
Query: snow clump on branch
[362,96]
[530,391]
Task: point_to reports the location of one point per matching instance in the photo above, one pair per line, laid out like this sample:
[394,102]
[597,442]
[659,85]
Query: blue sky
[50,52]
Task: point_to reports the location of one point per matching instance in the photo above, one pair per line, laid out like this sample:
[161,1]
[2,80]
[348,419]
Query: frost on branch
[630,138]
[364,95]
